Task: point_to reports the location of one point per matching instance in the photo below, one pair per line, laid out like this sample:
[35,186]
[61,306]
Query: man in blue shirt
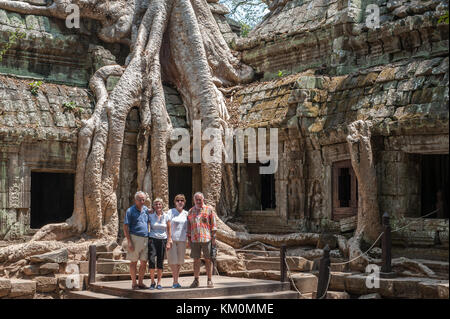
[135,229]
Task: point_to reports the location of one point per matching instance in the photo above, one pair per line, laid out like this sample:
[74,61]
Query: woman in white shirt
[178,222]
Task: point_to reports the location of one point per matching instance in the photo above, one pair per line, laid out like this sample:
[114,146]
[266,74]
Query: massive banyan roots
[369,227]
[369,222]
[177,41]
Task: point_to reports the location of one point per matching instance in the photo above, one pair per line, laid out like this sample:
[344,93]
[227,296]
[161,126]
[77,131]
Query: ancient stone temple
[358,93]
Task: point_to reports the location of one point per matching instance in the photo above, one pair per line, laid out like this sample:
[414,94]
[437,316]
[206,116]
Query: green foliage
[13,37]
[444,18]
[34,87]
[72,107]
[245,29]
[280,74]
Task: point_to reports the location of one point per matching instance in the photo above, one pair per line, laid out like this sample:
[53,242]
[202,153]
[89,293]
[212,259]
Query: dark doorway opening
[344,187]
[180,182]
[261,188]
[434,188]
[345,190]
[267,190]
[51,198]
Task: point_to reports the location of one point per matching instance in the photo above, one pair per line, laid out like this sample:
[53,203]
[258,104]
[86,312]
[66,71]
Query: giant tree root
[14,253]
[369,219]
[408,267]
[177,41]
[401,266]
[241,239]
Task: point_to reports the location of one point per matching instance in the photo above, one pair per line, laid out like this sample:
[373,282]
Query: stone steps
[122,267]
[330,295]
[86,294]
[268,228]
[117,267]
[273,263]
[429,253]
[441,268]
[333,295]
[305,282]
[166,273]
[399,287]
[224,287]
[113,267]
[264,295]
[105,255]
[17,288]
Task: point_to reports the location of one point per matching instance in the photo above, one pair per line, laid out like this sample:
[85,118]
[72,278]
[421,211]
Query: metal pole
[92,263]
[283,270]
[324,273]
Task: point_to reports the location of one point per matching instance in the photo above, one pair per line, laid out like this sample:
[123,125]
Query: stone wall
[39,131]
[332,36]
[334,70]
[408,105]
[50,51]
[36,133]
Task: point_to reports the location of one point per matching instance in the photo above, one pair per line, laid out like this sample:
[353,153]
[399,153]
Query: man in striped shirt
[201,234]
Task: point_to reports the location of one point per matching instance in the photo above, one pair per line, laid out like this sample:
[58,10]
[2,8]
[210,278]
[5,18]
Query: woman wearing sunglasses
[178,221]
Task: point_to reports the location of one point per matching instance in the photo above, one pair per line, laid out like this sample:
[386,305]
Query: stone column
[14,193]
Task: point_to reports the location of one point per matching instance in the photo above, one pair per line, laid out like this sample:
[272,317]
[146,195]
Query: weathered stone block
[334,295]
[15,20]
[113,267]
[59,256]
[305,282]
[428,289]
[4,17]
[49,268]
[426,67]
[422,96]
[405,288]
[32,22]
[356,284]
[370,296]
[337,281]
[31,270]
[101,248]
[307,109]
[5,285]
[71,282]
[225,265]
[84,267]
[46,284]
[443,291]
[309,82]
[107,255]
[22,288]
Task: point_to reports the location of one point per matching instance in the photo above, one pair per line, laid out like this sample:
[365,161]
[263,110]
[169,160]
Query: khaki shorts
[140,245]
[175,255]
[196,249]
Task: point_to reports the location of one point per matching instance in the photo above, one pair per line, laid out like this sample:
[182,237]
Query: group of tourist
[152,234]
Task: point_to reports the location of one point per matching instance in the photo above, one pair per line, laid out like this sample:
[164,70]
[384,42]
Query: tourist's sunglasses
[180,200]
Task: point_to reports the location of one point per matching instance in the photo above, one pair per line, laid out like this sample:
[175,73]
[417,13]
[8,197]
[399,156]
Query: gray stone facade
[321,69]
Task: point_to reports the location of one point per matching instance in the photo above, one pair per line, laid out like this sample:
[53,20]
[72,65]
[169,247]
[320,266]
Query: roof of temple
[48,115]
[402,96]
[334,35]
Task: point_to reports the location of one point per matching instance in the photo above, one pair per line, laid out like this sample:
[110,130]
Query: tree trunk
[197,63]
[368,227]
